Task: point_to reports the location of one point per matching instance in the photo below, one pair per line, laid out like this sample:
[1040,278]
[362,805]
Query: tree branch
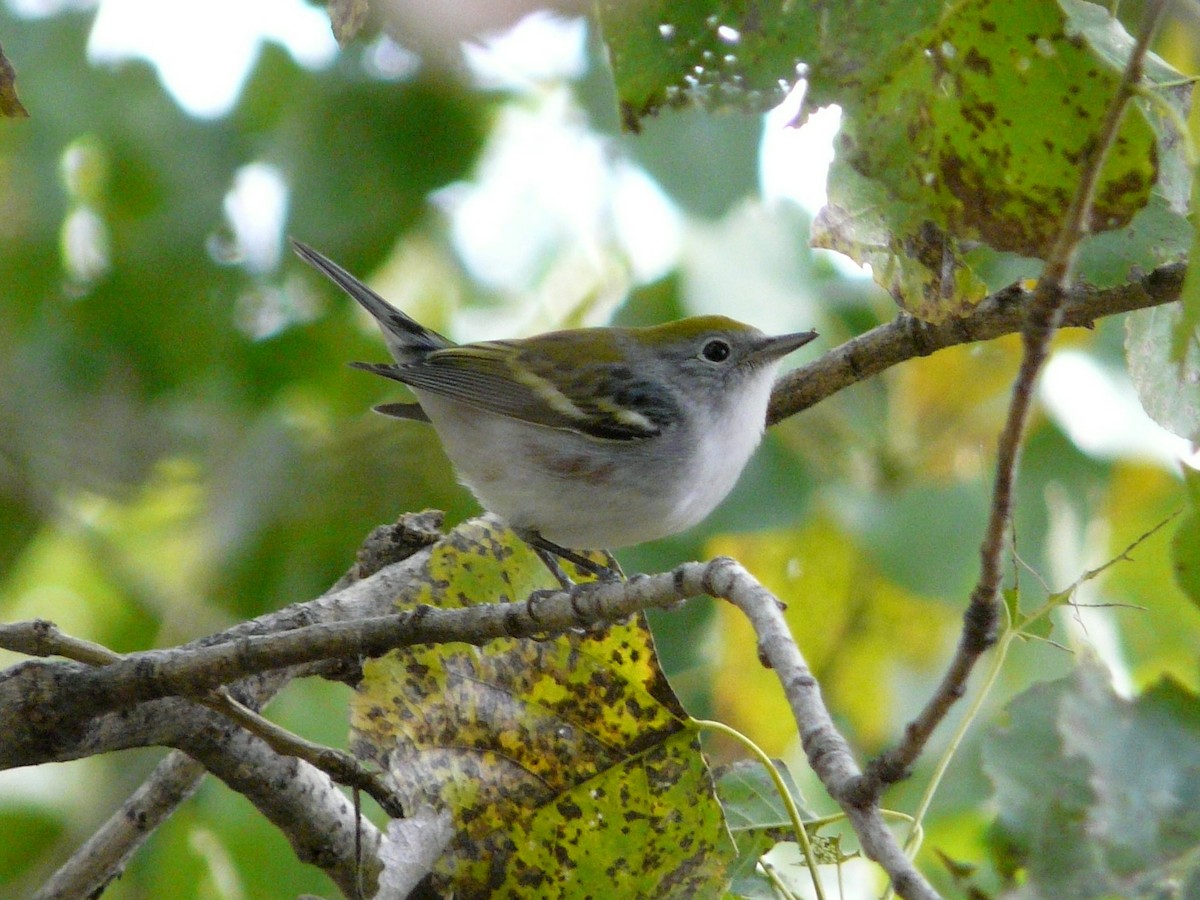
[74,699]
[827,751]
[224,748]
[339,765]
[1045,314]
[64,710]
[104,855]
[174,722]
[318,820]
[906,337]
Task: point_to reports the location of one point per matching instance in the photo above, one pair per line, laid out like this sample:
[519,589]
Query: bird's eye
[716,350]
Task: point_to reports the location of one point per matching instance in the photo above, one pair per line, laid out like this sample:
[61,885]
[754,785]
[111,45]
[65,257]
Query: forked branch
[1043,317]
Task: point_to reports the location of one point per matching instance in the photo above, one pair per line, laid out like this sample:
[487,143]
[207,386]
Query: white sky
[203,51]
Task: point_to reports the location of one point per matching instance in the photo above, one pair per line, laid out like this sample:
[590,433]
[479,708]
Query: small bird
[589,438]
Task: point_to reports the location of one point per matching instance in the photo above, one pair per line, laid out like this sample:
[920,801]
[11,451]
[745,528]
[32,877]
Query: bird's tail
[401,333]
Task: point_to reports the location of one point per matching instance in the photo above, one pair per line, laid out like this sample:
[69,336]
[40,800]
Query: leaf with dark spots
[540,748]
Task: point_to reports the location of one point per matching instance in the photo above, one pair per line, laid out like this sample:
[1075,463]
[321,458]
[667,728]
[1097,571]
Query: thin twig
[337,764]
[41,637]
[1044,317]
[907,337]
[103,856]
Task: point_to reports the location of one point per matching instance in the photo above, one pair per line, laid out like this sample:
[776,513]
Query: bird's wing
[412,411]
[497,377]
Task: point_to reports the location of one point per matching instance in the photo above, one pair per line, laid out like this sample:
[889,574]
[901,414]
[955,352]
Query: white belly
[584,493]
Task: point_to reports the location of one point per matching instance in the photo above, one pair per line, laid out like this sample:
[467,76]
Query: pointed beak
[773,348]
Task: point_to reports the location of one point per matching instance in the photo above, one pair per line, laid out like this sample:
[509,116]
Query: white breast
[585,493]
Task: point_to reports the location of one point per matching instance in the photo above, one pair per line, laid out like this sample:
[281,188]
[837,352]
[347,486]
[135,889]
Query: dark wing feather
[489,376]
[411,411]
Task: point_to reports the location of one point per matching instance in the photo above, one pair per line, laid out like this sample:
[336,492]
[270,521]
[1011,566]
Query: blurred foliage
[857,631]
[1110,809]
[182,446]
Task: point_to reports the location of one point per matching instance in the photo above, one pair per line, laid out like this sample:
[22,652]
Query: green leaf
[714,53]
[752,802]
[1185,556]
[1098,795]
[1165,98]
[534,745]
[977,133]
[1144,757]
[968,128]
[758,820]
[1030,790]
[914,260]
[1156,236]
[754,810]
[1168,390]
[635,828]
[745,54]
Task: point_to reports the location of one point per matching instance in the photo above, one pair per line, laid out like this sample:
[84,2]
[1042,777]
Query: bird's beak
[781,345]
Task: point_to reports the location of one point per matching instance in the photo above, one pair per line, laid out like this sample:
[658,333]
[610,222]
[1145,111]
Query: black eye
[716,350]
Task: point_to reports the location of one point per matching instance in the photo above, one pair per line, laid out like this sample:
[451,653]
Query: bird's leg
[551,563]
[613,566]
[550,553]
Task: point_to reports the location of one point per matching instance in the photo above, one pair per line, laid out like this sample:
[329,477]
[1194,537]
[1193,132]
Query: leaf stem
[789,802]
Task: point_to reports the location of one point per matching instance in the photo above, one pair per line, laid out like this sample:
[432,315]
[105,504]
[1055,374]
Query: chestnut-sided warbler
[590,438]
